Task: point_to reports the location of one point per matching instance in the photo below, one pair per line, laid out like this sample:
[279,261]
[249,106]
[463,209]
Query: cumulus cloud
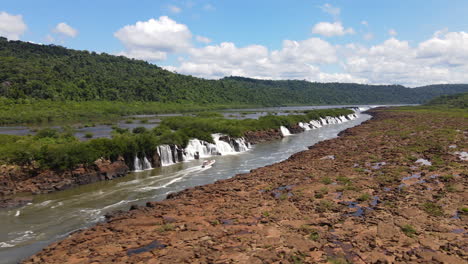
[331,29]
[295,60]
[440,59]
[202,39]
[154,38]
[11,26]
[65,29]
[443,58]
[449,49]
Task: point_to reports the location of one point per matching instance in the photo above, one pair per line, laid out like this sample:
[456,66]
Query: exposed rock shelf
[359,198]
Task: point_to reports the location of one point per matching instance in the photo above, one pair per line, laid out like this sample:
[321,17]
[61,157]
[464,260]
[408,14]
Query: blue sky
[406,42]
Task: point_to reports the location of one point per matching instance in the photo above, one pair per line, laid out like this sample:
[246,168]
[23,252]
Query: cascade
[165,154]
[146,164]
[137,164]
[241,145]
[285,131]
[323,121]
[315,124]
[305,126]
[222,146]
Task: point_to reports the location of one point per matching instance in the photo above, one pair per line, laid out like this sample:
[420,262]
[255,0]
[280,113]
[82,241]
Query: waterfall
[146,164]
[315,124]
[137,164]
[222,146]
[285,131]
[351,116]
[140,165]
[365,108]
[305,126]
[166,155]
[323,121]
[241,145]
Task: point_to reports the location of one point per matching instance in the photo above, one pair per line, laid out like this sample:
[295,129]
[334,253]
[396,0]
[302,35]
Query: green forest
[451,101]
[46,83]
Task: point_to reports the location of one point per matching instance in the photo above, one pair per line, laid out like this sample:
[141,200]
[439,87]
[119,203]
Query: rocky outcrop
[17,179]
[370,203]
[255,137]
[296,129]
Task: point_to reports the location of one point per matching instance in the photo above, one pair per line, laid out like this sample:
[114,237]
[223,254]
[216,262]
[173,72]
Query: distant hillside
[454,100]
[52,72]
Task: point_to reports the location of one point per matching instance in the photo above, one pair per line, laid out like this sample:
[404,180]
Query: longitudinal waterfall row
[224,145]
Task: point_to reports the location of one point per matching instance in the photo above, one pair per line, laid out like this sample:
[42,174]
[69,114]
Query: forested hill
[29,70]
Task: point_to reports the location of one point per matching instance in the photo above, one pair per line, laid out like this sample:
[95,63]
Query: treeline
[48,72]
[56,150]
[452,101]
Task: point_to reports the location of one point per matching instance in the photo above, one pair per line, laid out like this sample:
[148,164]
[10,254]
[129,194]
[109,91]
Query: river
[51,217]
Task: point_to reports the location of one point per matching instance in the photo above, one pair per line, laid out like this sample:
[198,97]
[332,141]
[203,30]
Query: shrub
[139,130]
[408,230]
[433,209]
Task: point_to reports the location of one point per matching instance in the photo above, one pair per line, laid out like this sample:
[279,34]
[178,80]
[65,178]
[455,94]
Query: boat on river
[208,163]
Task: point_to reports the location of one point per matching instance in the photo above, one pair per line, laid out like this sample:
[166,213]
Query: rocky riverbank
[30,180]
[392,190]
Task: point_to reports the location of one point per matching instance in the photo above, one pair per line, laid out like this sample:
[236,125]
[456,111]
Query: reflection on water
[50,217]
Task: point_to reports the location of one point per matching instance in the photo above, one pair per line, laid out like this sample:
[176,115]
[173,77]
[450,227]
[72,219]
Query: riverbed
[51,217]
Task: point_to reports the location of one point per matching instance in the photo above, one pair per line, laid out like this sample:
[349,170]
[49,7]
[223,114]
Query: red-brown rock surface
[360,198]
[17,179]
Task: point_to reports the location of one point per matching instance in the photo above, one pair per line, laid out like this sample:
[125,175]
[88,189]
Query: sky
[412,43]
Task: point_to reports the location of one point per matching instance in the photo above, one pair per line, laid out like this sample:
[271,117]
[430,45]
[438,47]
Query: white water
[166,155]
[137,164]
[284,131]
[52,216]
[199,149]
[140,165]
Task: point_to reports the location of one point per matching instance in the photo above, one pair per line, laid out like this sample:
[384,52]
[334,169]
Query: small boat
[208,163]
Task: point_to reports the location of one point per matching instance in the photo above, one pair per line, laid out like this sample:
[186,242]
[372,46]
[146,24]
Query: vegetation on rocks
[50,148]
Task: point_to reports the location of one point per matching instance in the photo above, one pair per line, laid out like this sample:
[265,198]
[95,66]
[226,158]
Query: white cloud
[443,58]
[202,39]
[11,26]
[440,59]
[144,54]
[295,60]
[331,10]
[154,38]
[175,9]
[331,29]
[65,29]
[449,49]
[392,32]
